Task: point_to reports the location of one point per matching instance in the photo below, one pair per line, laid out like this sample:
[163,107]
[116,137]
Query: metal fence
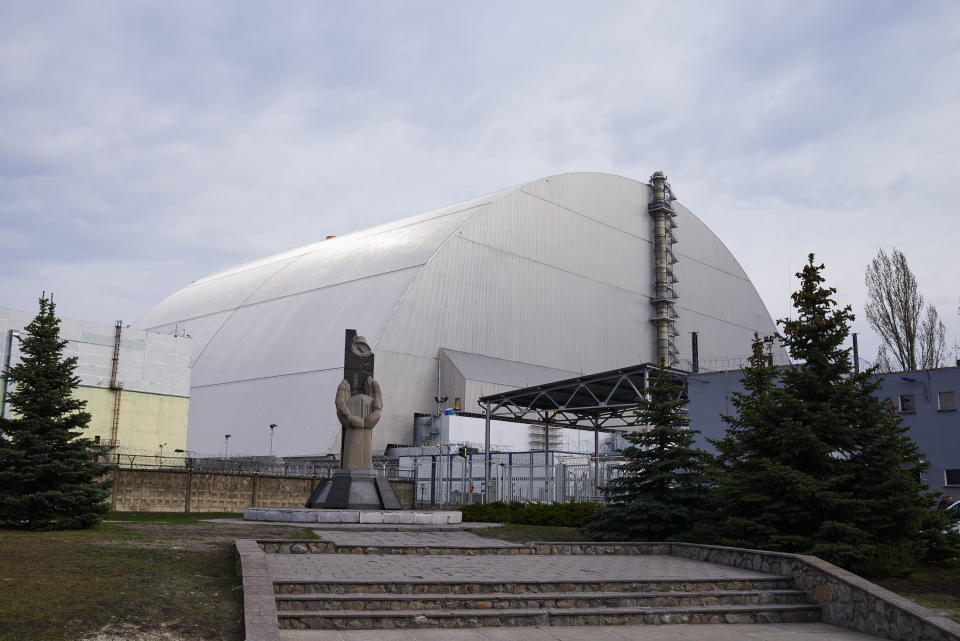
[538,477]
[439,479]
[241,466]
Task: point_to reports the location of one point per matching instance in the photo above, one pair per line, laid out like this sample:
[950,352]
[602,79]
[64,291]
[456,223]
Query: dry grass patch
[934,588]
[172,579]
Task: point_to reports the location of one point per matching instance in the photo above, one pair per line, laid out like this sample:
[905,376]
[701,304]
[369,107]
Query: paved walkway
[706,632]
[371,567]
[364,568]
[412,538]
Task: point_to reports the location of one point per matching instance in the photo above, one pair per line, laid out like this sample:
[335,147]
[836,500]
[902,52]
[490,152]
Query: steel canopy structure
[606,401]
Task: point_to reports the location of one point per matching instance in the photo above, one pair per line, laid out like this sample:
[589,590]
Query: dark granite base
[354,490]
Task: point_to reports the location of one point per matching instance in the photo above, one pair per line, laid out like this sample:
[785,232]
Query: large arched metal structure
[556,275]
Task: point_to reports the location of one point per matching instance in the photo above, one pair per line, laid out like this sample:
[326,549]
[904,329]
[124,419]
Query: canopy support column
[596,459]
[486,454]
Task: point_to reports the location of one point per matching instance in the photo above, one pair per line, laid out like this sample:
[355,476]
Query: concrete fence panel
[160,490]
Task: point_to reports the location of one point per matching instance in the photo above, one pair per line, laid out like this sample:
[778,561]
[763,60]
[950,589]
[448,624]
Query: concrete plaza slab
[391,582]
[323,568]
[703,632]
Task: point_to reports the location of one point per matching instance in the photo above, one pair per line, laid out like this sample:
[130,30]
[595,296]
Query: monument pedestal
[373,519]
[354,490]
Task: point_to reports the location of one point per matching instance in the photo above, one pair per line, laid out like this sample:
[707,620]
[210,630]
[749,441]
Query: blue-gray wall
[936,432]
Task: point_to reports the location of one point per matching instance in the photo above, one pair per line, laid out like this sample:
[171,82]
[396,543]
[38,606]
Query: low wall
[188,491]
[845,599]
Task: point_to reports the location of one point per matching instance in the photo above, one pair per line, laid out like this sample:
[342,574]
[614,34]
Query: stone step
[543,600]
[384,619]
[528,587]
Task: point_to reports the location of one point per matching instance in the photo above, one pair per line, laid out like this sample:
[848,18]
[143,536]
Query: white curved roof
[555,273]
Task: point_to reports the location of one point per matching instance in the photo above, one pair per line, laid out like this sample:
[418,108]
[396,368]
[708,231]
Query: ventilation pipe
[664,294]
[695,352]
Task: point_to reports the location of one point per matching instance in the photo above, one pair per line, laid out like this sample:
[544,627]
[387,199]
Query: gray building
[926,400]
[136,384]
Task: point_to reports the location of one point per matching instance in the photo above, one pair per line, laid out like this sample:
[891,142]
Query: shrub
[556,514]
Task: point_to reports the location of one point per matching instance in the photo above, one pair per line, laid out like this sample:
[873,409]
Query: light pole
[189,462]
[226,445]
[161,452]
[272,427]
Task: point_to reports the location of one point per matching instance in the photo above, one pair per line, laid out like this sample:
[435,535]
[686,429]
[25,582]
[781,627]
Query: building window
[948,401]
[952,477]
[907,404]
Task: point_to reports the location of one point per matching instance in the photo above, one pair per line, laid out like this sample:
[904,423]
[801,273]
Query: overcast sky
[144,145]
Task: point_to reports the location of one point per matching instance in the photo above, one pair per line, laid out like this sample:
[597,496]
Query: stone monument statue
[358,414]
[358,402]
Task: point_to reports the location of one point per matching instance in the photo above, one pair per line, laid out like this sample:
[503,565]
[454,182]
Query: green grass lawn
[155,573]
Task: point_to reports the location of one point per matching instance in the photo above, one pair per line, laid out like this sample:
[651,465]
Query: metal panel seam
[291,295]
[237,308]
[717,318]
[741,276]
[729,253]
[590,218]
[559,269]
[313,247]
[263,378]
[479,208]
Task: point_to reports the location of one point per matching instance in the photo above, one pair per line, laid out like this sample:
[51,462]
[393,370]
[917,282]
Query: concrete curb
[259,601]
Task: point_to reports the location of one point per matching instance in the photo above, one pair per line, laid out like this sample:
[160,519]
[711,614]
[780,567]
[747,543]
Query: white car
[953,513]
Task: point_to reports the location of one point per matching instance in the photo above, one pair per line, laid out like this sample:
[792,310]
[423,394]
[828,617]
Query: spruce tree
[817,401]
[660,494]
[904,526]
[48,475]
[745,511]
[813,462]
[785,482]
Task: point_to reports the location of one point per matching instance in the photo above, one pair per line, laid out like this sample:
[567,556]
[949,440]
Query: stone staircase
[345,605]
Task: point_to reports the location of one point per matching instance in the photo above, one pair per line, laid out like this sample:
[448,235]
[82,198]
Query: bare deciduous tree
[933,342]
[883,360]
[895,310]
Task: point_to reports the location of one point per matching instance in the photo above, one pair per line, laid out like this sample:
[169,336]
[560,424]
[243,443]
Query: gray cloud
[144,145]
